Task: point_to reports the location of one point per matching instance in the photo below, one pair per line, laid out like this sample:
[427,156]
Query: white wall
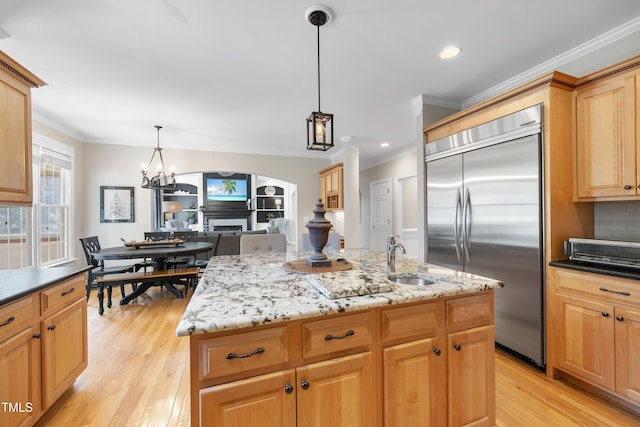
[118,165]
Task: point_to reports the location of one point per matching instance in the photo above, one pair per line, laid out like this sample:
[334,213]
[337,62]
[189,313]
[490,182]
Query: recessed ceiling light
[449,52]
[384,144]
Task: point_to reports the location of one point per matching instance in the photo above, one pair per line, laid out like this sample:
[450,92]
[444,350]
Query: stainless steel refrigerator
[484,216]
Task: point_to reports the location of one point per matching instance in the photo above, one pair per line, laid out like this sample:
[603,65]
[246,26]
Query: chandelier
[160,179]
[319,124]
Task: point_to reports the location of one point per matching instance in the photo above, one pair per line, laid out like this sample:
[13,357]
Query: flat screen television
[226,191]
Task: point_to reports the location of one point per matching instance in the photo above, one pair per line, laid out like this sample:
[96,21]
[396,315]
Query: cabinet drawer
[336,334]
[242,352]
[468,312]
[17,315]
[62,294]
[413,321]
[600,286]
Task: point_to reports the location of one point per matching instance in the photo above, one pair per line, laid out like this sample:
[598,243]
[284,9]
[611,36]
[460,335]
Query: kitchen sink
[410,279]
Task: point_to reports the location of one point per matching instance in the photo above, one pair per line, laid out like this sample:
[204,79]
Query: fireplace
[226,224]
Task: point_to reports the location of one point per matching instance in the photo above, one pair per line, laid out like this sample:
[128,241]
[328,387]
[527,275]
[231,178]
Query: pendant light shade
[319,124]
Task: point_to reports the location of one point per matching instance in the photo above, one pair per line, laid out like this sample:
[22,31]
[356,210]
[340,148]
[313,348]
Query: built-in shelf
[269,203]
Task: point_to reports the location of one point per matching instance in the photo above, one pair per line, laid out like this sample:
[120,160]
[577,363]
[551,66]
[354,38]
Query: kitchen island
[268,345]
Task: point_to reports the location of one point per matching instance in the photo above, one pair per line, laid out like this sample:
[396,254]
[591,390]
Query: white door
[380,213]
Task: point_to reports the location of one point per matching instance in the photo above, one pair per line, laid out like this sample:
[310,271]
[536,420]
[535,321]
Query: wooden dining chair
[157,236]
[90,245]
[190,236]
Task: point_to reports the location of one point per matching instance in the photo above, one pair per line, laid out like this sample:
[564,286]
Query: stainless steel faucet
[392,245]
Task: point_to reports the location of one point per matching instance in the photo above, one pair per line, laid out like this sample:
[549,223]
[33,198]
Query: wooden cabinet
[427,364]
[19,363]
[332,187]
[452,369]
[64,350]
[337,392]
[607,139]
[15,132]
[43,348]
[597,331]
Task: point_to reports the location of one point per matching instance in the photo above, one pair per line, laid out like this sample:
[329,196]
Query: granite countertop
[15,284]
[627,273]
[239,291]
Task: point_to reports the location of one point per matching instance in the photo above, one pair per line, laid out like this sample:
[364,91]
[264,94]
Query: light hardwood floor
[138,376]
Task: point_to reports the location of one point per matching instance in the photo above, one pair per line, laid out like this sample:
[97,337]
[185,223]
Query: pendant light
[160,179]
[319,124]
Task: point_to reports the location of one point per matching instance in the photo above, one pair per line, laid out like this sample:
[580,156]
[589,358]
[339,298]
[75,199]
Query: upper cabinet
[332,187]
[15,132]
[607,135]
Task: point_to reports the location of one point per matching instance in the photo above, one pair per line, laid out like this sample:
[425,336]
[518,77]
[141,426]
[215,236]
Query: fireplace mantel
[227,213]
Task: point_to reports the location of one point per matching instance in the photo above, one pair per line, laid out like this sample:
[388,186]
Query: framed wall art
[116,204]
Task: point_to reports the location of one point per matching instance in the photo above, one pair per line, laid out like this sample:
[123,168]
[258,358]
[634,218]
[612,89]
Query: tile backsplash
[617,220]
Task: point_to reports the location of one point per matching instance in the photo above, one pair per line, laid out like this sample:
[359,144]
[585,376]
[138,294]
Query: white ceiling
[240,75]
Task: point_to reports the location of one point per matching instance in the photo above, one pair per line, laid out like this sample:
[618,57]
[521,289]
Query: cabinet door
[627,335]
[415,377]
[471,377]
[15,142]
[64,349]
[337,392]
[606,140]
[584,343]
[266,401]
[20,379]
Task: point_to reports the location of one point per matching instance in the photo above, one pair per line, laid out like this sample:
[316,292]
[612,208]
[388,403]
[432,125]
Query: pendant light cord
[318,27]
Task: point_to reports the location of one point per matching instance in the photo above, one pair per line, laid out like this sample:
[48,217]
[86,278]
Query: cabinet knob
[288,389]
[457,347]
[51,328]
[605,314]
[627,187]
[37,336]
[619,318]
[305,385]
[437,351]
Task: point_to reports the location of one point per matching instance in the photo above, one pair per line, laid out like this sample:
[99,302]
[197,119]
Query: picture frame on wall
[117,204]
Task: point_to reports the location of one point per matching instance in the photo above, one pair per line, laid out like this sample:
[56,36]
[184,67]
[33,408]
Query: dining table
[159,253]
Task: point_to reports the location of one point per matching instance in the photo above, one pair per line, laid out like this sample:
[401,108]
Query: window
[41,236]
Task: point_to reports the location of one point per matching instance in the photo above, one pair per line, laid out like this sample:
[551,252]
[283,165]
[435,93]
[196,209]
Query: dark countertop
[626,273]
[15,284]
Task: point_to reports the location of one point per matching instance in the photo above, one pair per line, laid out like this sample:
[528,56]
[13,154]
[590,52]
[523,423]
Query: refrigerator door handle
[466,229]
[456,223]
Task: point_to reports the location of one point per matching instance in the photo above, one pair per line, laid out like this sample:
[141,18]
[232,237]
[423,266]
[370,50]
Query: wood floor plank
[138,375]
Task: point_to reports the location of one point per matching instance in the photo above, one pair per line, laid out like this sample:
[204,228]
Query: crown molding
[556,62]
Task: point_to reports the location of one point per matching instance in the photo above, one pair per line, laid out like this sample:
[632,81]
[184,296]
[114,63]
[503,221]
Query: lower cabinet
[64,350]
[597,332]
[422,364]
[20,378]
[336,393]
[43,348]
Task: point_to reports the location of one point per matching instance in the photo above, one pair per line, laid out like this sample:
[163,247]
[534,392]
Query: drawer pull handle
[605,314]
[457,347]
[9,321]
[339,337]
[627,187]
[51,328]
[620,318]
[437,351]
[258,350]
[626,294]
[37,336]
[68,292]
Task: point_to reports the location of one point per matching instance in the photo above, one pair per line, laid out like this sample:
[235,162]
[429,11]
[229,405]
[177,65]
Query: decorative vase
[319,228]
